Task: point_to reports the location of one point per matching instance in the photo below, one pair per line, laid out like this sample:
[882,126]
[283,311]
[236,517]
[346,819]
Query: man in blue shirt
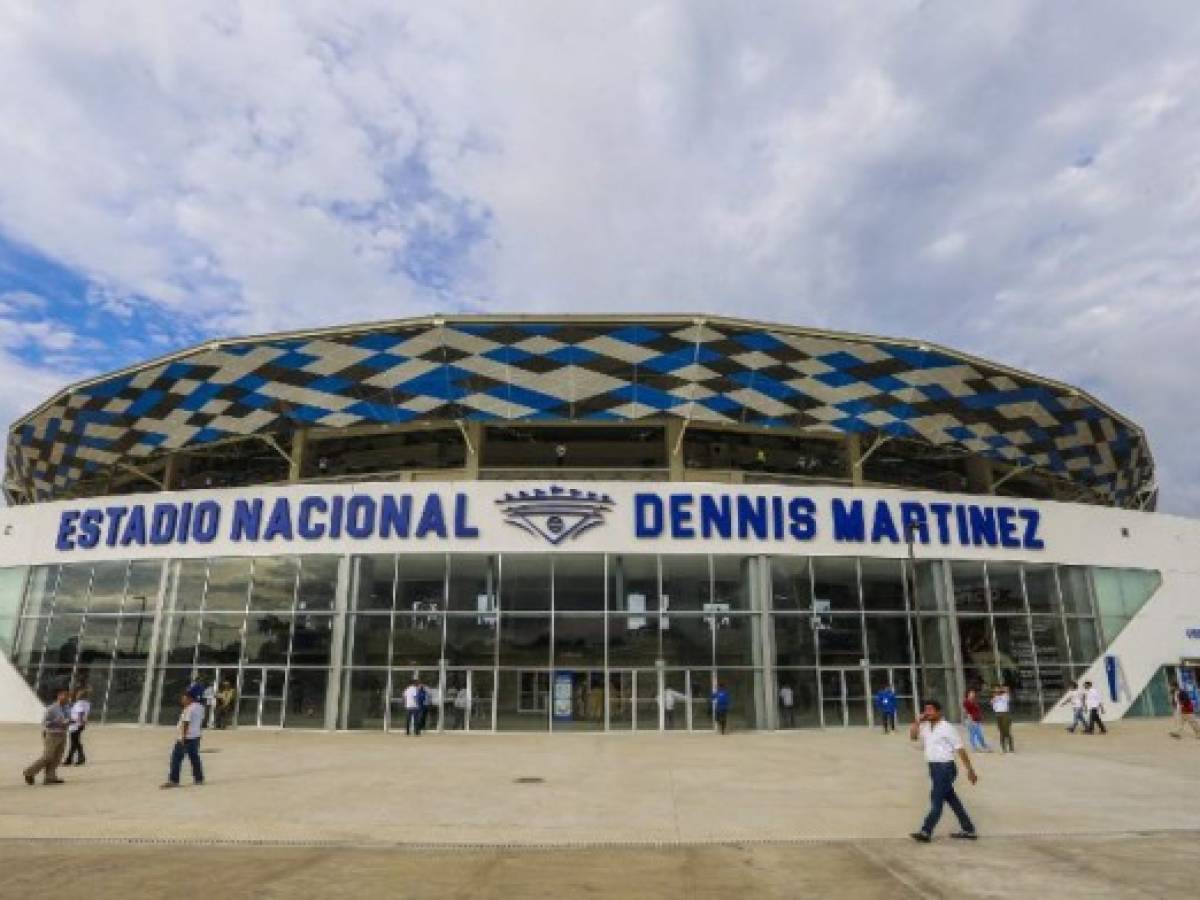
[885,700]
[720,703]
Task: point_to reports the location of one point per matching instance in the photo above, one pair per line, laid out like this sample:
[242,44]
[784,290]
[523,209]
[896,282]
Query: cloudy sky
[1020,180]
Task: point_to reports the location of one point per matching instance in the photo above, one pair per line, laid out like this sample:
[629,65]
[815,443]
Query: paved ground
[799,814]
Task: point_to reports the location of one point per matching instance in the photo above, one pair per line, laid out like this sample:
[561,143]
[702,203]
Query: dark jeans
[723,720]
[1078,718]
[1094,722]
[412,721]
[1004,723]
[889,721]
[76,756]
[942,776]
[788,717]
[191,749]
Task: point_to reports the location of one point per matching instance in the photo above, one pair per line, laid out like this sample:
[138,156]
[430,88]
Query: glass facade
[559,642]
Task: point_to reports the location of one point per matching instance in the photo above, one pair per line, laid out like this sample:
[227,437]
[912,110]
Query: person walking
[412,709]
[225,698]
[671,697]
[1076,697]
[1185,712]
[191,727]
[1001,706]
[721,702]
[462,708]
[80,710]
[54,740]
[787,706]
[885,700]
[941,742]
[1095,706]
[973,719]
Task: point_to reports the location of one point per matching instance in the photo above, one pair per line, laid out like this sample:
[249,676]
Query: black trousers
[76,756]
[889,721]
[1094,722]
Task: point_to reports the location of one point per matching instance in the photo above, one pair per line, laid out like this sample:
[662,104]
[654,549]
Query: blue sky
[1020,180]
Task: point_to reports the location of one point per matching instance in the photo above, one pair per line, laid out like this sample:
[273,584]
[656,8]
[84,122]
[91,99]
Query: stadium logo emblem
[555,514]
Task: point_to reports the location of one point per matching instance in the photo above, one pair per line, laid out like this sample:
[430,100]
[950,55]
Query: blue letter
[941,512]
[305,527]
[983,525]
[66,530]
[912,517]
[802,513]
[1008,528]
[461,528]
[208,517]
[247,520]
[115,515]
[1032,518]
[752,514]
[849,524]
[135,527]
[883,525]
[89,528]
[716,515]
[279,523]
[644,527]
[360,517]
[163,519]
[681,516]
[432,518]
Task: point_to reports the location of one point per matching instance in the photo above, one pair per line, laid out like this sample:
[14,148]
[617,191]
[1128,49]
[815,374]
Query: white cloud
[1016,179]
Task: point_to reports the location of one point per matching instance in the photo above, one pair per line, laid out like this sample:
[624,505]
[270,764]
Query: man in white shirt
[787,706]
[941,742]
[670,698]
[80,710]
[1095,706]
[412,708]
[191,726]
[1076,698]
[1001,705]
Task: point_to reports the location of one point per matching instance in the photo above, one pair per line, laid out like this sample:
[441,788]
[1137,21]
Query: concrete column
[979,475]
[171,472]
[853,445]
[299,446]
[475,436]
[675,459]
[764,647]
[341,603]
[160,606]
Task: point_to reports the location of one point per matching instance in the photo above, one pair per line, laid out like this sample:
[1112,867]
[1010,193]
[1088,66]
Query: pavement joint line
[474,846]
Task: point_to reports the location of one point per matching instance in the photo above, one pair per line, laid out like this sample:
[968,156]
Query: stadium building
[564,523]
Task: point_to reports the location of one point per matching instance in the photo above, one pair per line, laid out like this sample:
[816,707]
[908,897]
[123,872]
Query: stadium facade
[585,523]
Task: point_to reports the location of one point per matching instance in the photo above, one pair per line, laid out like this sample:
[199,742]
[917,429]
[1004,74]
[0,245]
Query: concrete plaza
[785,814]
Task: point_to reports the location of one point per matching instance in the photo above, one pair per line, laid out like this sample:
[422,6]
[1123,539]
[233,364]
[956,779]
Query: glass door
[481,688]
[833,699]
[620,700]
[274,685]
[858,700]
[675,700]
[645,705]
[701,684]
[249,697]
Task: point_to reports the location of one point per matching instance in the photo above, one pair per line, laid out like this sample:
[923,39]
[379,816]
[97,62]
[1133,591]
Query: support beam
[134,470]
[296,463]
[853,447]
[473,437]
[270,441]
[171,471]
[1010,474]
[675,430]
[979,475]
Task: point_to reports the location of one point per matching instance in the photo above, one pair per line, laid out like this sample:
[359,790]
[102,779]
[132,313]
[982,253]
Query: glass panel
[473,584]
[882,584]
[8,630]
[939,684]
[1050,641]
[675,700]
[318,583]
[172,684]
[633,640]
[187,584]
[1055,681]
[365,699]
[267,638]
[887,640]
[220,638]
[375,582]
[274,584]
[312,640]
[125,695]
[420,586]
[458,701]
[620,700]
[579,582]
[1004,585]
[579,641]
[179,639]
[524,640]
[634,583]
[832,701]
[1073,581]
[482,699]
[857,699]
[935,647]
[931,587]
[1014,657]
[39,592]
[72,591]
[701,685]
[108,587]
[978,655]
[249,695]
[228,583]
[1042,589]
[686,583]
[30,642]
[841,641]
[731,579]
[470,639]
[1082,634]
[94,678]
[371,636]
[745,687]
[804,712]
[835,583]
[12,583]
[686,640]
[794,644]
[141,593]
[736,638]
[99,638]
[646,700]
[791,584]
[62,640]
[523,701]
[578,700]
[970,593]
[416,639]
[525,582]
[133,638]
